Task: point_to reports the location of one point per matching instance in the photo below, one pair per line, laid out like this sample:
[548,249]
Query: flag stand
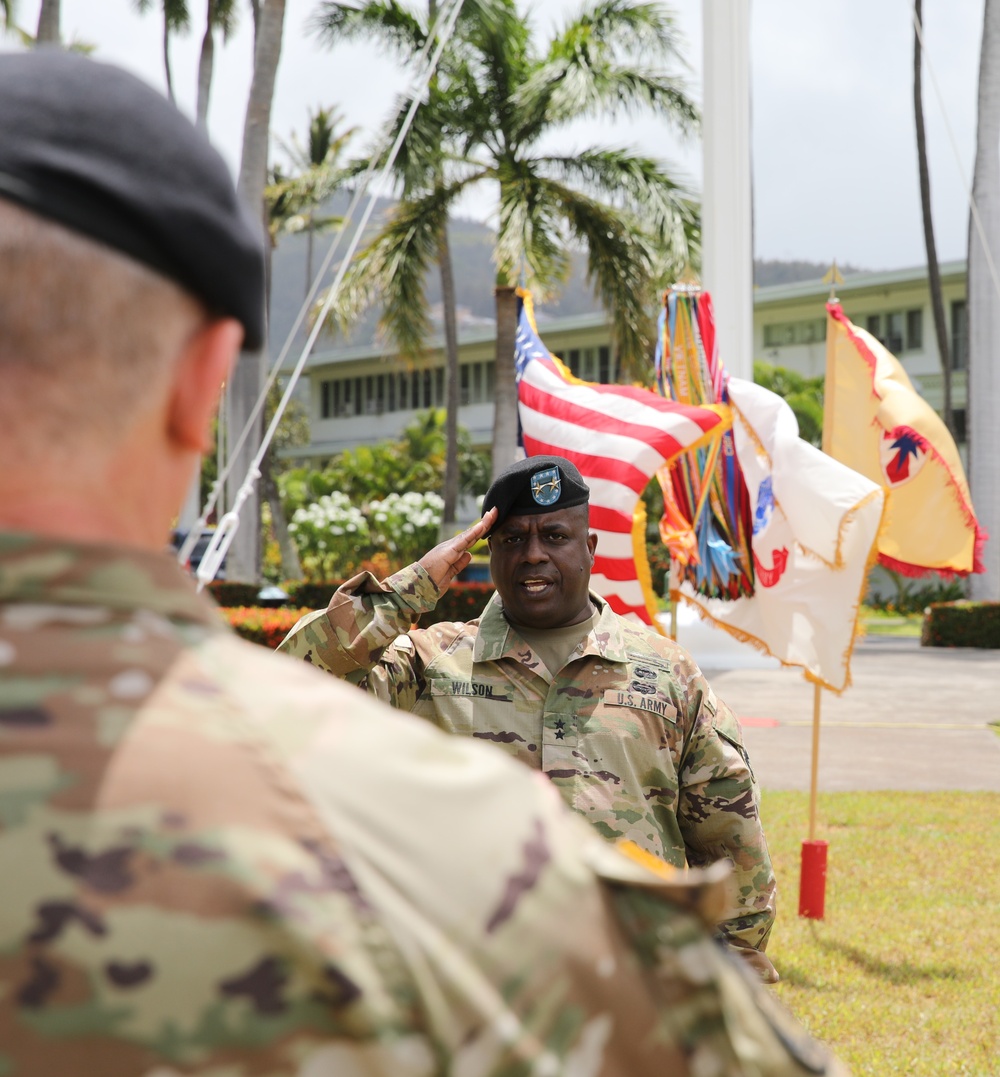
[812,876]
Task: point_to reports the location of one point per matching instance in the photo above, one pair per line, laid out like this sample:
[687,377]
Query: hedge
[961,624]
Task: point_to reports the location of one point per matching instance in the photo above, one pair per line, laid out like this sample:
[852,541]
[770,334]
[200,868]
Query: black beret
[535,485]
[102,153]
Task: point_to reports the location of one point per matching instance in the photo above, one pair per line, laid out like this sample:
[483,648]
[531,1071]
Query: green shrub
[229,593]
[962,624]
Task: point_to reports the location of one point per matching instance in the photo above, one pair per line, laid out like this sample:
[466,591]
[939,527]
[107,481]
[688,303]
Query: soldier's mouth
[536,586]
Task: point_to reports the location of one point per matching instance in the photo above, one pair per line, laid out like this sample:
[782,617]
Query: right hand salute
[448,558]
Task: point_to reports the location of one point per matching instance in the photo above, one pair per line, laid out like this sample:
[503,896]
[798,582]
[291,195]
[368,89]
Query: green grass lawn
[903,974]
[883,623]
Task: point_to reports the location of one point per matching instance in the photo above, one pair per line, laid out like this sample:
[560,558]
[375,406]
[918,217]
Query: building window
[914,330]
[464,384]
[959,335]
[491,377]
[604,364]
[894,340]
[326,399]
[573,362]
[874,326]
[959,417]
[477,382]
[785,334]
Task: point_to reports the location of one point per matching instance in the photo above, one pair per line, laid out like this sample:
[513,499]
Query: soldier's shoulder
[443,636]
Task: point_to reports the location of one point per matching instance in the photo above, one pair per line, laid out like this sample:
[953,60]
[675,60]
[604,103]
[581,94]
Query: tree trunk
[310,232]
[166,60]
[248,378]
[48,32]
[206,68]
[984,311]
[291,567]
[452,385]
[933,271]
[505,389]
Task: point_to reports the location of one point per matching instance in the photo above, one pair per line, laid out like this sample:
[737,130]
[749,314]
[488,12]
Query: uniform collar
[498,639]
[61,572]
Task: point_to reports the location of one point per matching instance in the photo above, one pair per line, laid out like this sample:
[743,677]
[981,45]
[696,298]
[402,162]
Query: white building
[364,395]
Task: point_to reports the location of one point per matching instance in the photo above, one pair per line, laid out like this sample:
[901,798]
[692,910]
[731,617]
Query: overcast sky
[835,172]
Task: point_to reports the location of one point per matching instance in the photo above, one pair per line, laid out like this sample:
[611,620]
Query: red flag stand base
[812,880]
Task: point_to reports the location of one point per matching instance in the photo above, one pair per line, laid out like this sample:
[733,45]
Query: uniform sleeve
[719,815]
[361,635]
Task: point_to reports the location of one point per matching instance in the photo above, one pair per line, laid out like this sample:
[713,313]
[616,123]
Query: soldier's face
[541,567]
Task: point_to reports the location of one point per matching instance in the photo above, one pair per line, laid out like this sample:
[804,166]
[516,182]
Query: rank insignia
[546,486]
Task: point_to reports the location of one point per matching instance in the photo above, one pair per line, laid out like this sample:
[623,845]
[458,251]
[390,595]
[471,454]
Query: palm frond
[566,89]
[393,267]
[621,262]
[622,26]
[382,20]
[530,229]
[640,187]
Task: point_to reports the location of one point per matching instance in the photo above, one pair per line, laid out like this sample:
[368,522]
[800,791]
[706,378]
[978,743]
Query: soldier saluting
[620,719]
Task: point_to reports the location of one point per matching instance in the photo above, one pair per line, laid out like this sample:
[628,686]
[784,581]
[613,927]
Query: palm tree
[318,174]
[500,96]
[7,14]
[933,271]
[247,379]
[419,167]
[48,32]
[220,15]
[176,19]
[984,309]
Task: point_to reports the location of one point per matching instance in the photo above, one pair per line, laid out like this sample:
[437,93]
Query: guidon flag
[875,422]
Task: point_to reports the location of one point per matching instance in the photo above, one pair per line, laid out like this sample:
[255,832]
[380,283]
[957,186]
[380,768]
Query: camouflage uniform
[628,730]
[210,867]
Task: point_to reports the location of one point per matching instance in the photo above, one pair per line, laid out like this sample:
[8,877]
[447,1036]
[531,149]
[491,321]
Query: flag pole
[812,874]
[812,871]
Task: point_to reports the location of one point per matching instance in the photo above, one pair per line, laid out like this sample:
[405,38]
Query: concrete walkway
[915,718]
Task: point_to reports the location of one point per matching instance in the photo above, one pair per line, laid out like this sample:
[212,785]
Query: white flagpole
[727,210]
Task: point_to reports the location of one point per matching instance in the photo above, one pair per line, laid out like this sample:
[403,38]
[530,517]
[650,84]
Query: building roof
[777,293]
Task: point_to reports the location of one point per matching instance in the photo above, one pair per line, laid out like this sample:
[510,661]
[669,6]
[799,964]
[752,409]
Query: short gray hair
[87,336]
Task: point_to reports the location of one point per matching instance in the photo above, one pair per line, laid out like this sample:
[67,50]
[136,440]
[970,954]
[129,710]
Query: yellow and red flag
[875,422]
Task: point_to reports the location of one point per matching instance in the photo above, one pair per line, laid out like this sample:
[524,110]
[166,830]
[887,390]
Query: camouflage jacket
[628,730]
[217,862]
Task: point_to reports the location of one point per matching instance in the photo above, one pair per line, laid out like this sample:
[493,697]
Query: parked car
[177,541]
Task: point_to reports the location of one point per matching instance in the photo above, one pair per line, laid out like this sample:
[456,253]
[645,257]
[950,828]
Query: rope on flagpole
[219,545]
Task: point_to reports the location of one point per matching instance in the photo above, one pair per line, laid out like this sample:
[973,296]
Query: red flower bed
[263,626]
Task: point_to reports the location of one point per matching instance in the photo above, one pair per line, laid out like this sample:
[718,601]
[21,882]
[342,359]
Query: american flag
[618,436]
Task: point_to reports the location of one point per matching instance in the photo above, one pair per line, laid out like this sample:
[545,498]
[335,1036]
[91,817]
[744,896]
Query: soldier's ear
[199,374]
[592,544]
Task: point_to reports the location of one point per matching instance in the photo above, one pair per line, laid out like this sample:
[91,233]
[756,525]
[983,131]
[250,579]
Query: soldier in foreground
[219,862]
[619,718]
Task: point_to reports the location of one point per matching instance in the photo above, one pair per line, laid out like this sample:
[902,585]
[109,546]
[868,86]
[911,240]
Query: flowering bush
[406,525]
[266,627]
[332,537]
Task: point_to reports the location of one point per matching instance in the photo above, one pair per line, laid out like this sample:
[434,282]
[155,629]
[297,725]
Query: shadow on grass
[892,972]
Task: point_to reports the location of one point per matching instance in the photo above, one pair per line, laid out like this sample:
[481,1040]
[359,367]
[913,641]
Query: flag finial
[833,278]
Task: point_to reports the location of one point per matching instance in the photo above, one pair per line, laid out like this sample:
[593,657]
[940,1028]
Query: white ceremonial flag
[815,523]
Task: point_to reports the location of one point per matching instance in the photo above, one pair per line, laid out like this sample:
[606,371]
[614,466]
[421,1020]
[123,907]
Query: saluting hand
[448,558]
